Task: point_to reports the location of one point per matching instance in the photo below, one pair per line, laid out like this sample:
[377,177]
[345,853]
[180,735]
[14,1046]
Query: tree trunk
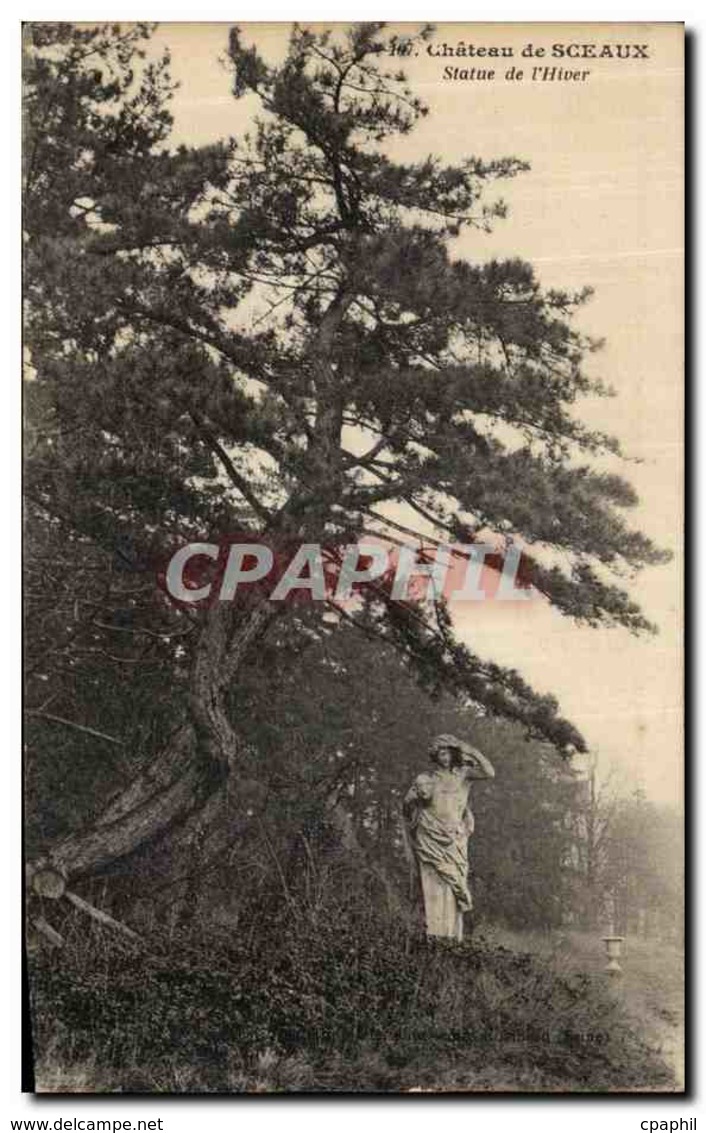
[192,785]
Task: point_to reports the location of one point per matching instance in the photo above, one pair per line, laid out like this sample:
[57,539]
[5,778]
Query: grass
[650,989]
[343,999]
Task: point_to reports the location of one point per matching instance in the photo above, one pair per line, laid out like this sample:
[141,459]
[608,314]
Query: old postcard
[353,557]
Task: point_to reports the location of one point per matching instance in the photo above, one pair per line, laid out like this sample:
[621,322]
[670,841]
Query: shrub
[333,998]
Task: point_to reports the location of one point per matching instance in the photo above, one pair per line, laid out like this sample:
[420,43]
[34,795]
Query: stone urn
[613,947]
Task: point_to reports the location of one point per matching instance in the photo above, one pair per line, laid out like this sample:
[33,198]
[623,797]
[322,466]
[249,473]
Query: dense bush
[329,999]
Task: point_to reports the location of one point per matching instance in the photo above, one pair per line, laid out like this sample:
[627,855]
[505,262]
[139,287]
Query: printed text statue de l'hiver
[439,821]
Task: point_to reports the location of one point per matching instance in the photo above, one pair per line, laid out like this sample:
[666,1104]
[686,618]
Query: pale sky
[602,205]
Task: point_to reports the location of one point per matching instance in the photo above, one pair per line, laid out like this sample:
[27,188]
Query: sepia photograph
[353,459]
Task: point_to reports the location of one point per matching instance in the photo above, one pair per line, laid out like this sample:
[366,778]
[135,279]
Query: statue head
[446,751]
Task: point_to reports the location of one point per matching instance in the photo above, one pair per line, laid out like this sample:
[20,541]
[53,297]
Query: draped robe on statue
[440,823]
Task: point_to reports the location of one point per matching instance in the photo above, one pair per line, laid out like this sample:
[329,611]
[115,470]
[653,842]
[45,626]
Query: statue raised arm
[475,764]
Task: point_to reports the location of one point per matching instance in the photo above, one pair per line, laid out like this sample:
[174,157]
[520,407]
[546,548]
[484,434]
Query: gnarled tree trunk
[189,795]
[192,787]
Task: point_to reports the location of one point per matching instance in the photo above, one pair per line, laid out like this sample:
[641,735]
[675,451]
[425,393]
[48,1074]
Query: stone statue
[439,823]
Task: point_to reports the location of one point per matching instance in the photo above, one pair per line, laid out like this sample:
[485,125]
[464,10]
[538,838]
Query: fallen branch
[101,917]
[43,926]
[72,724]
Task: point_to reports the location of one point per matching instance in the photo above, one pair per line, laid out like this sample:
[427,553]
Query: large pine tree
[272,335]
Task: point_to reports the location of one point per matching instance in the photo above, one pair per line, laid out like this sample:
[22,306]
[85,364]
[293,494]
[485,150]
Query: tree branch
[72,724]
[234,476]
